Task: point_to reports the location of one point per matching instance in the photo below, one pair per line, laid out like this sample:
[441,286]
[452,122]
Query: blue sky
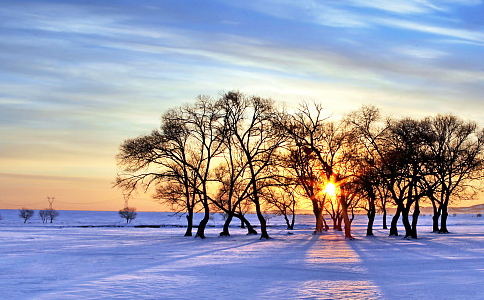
[79,77]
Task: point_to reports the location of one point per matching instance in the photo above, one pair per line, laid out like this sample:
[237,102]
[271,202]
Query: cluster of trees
[241,153]
[48,214]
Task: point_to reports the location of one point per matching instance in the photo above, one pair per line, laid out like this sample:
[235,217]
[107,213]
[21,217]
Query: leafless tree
[52,213]
[232,192]
[128,213]
[457,150]
[324,142]
[48,214]
[43,215]
[398,152]
[26,214]
[177,156]
[248,121]
[283,200]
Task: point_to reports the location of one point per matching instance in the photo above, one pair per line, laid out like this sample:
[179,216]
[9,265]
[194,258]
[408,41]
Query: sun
[330,189]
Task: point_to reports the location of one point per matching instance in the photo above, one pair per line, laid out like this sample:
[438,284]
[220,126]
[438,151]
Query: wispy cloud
[76,78]
[469,35]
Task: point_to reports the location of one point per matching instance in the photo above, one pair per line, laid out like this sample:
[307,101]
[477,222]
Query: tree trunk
[344,216]
[406,222]
[443,220]
[245,222]
[435,220]
[326,226]
[286,219]
[319,221]
[436,216]
[225,230]
[262,220]
[416,213]
[385,218]
[189,217]
[371,219]
[203,222]
[393,225]
[288,223]
[335,221]
[340,220]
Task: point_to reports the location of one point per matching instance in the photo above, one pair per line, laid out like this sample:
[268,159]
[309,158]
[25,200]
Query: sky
[77,78]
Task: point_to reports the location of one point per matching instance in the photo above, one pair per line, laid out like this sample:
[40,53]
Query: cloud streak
[76,79]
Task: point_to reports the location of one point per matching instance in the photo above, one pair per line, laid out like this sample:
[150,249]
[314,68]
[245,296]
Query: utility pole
[51,201]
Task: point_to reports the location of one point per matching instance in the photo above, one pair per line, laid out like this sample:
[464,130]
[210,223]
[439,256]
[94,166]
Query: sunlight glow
[330,189]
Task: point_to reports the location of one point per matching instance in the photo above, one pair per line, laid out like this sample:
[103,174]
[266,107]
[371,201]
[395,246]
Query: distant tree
[128,213]
[52,213]
[43,215]
[283,200]
[48,214]
[26,214]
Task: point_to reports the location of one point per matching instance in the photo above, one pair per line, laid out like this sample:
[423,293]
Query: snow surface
[65,261]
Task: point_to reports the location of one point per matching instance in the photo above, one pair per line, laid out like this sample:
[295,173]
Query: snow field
[60,261]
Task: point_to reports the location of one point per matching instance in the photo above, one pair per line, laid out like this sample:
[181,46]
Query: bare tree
[26,214]
[128,213]
[52,214]
[399,153]
[282,199]
[324,142]
[248,121]
[44,216]
[232,193]
[164,158]
[458,152]
[178,156]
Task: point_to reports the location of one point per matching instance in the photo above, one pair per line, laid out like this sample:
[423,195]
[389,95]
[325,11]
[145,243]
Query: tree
[177,156]
[249,128]
[48,214]
[324,143]
[283,200]
[43,215]
[163,158]
[26,214]
[128,213]
[52,213]
[399,154]
[232,194]
[457,150]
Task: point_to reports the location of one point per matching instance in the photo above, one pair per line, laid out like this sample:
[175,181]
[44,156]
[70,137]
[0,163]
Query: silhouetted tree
[128,213]
[326,144]
[26,214]
[458,152]
[399,153]
[177,156]
[48,214]
[43,215]
[232,193]
[282,199]
[248,121]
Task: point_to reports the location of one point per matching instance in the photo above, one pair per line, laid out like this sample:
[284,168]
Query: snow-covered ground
[65,261]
